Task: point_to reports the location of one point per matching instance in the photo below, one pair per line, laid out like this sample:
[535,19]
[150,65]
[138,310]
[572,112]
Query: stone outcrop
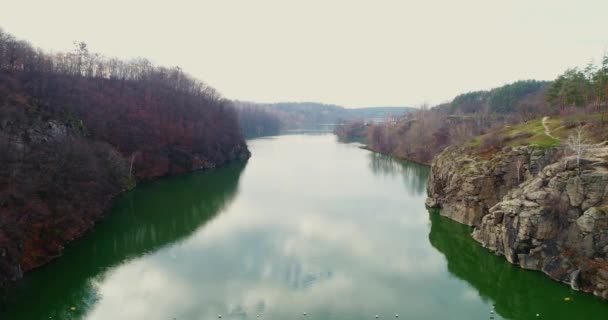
[555,220]
[465,187]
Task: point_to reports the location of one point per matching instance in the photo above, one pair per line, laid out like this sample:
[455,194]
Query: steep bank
[534,206]
[77,128]
[56,181]
[54,184]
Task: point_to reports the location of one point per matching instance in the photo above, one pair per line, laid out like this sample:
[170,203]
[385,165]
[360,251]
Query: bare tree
[578,143]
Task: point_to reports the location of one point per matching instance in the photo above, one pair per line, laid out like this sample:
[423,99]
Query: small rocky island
[541,208]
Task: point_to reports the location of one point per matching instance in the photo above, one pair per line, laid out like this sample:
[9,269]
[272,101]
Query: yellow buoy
[567,299]
[73,308]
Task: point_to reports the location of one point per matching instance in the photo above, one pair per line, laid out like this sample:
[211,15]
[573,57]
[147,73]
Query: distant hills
[372,113]
[260,118]
[319,113]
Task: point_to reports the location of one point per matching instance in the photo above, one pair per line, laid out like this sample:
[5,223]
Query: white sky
[348,52]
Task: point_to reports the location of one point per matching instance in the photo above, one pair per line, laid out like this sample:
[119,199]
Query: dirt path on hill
[547,130]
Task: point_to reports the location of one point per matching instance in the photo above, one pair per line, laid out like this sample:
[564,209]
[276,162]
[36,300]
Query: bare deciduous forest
[78,128]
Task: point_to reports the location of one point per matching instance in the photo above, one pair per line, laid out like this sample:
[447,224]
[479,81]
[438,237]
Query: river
[307,225]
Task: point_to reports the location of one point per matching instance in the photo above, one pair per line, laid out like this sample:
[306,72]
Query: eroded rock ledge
[535,207]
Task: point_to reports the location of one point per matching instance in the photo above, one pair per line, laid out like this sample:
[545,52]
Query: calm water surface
[307,225]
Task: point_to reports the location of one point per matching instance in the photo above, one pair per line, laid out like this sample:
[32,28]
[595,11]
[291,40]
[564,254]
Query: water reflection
[144,220]
[414,175]
[299,237]
[516,293]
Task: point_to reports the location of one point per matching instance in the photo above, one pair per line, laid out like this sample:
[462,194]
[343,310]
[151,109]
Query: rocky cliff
[467,186]
[539,209]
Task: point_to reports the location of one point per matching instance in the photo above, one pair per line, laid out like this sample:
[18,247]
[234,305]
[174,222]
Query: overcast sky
[352,53]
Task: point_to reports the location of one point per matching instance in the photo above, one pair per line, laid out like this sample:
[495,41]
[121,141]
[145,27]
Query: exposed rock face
[554,221]
[466,187]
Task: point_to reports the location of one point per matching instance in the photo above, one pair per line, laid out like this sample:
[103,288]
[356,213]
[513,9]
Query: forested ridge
[78,128]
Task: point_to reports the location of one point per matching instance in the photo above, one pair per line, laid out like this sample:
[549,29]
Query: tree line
[581,87]
[20,56]
[524,96]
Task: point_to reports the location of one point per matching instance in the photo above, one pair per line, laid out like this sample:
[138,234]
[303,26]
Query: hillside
[78,128]
[424,133]
[541,133]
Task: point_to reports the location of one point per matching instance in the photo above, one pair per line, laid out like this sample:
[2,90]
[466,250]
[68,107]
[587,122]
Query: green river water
[306,225]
